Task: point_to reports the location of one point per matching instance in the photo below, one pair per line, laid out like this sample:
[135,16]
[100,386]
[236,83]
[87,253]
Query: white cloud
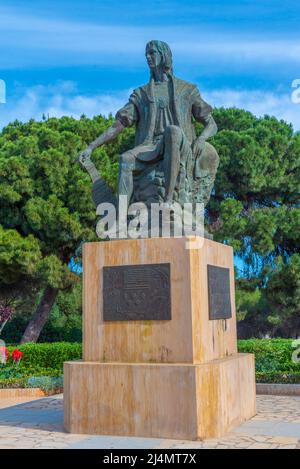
[241,49]
[76,42]
[259,103]
[57,101]
[63,99]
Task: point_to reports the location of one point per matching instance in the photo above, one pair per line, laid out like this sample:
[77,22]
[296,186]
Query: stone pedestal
[176,376]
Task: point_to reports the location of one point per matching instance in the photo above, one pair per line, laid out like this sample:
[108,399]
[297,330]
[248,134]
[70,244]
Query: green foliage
[45,198]
[248,302]
[10,372]
[259,171]
[18,255]
[233,222]
[279,378]
[61,327]
[271,355]
[255,208]
[46,209]
[48,356]
[46,383]
[14,329]
[55,273]
[64,324]
[273,360]
[284,289]
[42,362]
[41,366]
[13,383]
[49,381]
[21,371]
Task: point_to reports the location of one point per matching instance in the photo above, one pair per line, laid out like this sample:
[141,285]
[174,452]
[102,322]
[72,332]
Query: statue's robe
[142,109]
[156,165]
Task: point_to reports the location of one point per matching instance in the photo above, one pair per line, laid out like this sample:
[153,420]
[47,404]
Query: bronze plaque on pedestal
[137,292]
[219,292]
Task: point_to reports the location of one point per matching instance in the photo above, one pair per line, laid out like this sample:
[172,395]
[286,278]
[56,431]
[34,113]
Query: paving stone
[209,445]
[287,447]
[283,440]
[186,445]
[244,444]
[8,441]
[260,446]
[259,438]
[39,424]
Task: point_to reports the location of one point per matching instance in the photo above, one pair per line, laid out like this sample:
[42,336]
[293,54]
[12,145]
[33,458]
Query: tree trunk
[40,316]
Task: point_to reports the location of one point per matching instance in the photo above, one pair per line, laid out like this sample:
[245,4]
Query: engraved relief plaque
[137,292]
[219,292]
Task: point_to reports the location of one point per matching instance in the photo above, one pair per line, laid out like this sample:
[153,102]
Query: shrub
[49,384]
[46,383]
[48,356]
[271,355]
[13,383]
[42,364]
[280,378]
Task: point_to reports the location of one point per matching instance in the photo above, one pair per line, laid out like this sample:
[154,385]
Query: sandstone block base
[162,400]
[190,336]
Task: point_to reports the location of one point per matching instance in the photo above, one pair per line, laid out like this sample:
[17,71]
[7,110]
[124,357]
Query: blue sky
[74,57]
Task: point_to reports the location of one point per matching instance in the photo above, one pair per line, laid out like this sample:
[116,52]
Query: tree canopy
[46,209]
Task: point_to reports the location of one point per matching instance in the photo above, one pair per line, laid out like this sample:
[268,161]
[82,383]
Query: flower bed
[37,365]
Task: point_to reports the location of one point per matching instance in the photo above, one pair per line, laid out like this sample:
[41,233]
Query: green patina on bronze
[168,162]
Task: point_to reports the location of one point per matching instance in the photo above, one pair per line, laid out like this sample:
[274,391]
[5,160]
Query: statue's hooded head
[159,54]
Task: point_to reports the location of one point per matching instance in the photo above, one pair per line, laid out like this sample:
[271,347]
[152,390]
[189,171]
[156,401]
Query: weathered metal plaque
[137,292]
[219,292]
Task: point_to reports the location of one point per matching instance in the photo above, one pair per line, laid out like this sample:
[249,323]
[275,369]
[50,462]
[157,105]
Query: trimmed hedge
[48,355]
[278,377]
[273,359]
[271,355]
[43,361]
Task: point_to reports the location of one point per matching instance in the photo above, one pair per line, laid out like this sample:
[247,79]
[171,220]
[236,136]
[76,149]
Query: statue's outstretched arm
[210,129]
[110,134]
[202,112]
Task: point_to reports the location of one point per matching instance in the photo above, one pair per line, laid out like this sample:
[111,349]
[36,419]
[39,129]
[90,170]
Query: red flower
[4,352]
[16,355]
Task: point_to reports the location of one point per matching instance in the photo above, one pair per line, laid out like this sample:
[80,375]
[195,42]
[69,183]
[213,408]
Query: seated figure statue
[168,162]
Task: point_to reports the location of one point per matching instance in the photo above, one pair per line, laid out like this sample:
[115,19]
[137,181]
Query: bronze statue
[168,162]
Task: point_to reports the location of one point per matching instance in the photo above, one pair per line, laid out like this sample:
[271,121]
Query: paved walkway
[38,423]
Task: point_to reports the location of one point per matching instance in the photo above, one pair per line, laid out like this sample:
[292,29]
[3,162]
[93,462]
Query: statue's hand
[85,155]
[199,146]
